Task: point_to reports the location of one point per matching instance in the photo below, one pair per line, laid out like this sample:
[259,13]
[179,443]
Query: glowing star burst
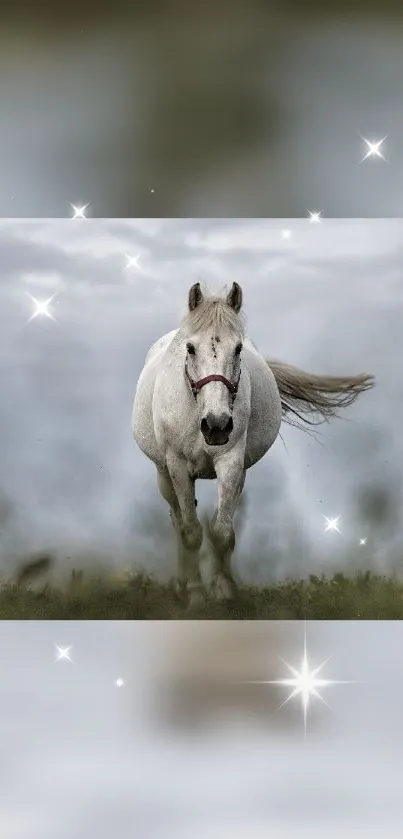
[63,653]
[363,541]
[374,149]
[286,234]
[332,524]
[132,261]
[304,683]
[41,308]
[315,216]
[119,683]
[79,212]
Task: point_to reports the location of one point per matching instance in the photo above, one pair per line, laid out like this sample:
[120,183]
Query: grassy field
[364,597]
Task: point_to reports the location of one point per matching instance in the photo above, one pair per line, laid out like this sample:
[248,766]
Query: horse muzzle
[216,430]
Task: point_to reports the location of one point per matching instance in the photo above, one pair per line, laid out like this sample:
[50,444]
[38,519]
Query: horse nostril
[229,426]
[213,425]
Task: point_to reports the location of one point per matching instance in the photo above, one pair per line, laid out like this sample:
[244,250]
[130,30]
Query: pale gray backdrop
[80,756]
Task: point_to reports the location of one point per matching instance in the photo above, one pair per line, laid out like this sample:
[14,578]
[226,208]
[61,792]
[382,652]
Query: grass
[363,597]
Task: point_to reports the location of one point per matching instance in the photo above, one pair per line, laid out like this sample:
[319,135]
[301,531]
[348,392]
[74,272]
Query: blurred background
[87,746]
[225,108]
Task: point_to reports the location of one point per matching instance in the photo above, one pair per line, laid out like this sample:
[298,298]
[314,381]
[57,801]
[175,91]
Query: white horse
[208,405]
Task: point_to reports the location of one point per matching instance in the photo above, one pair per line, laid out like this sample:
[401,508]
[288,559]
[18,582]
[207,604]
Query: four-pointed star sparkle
[332,524]
[132,261]
[304,683]
[374,148]
[315,216]
[79,212]
[41,308]
[63,653]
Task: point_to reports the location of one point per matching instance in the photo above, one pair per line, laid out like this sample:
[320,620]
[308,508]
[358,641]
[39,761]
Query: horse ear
[195,296]
[234,297]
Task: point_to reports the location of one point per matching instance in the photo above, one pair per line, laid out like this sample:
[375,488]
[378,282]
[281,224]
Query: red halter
[214,377]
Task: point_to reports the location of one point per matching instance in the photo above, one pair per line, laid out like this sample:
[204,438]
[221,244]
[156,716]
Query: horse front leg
[190,529]
[230,473]
[168,493]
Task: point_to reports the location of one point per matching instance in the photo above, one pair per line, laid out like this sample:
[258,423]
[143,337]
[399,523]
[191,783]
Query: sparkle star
[286,234]
[41,308]
[119,683]
[315,216]
[304,682]
[374,148]
[363,541]
[63,653]
[132,261]
[79,212]
[332,524]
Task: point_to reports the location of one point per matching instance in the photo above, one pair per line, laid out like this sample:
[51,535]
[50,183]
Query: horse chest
[201,466]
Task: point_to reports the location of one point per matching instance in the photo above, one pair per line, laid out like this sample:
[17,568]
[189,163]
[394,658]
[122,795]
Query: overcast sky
[79,757]
[329,298]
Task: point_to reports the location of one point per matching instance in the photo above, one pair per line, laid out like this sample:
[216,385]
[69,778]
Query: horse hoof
[223,588]
[197,599]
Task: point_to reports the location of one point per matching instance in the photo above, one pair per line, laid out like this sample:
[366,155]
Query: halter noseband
[214,377]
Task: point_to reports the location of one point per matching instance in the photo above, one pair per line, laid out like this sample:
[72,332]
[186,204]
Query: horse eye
[238,349]
[190,348]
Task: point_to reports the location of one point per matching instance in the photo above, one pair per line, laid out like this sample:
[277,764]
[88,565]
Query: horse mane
[303,394]
[213,313]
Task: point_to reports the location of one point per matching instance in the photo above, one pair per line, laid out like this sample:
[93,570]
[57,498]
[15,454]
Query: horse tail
[315,399]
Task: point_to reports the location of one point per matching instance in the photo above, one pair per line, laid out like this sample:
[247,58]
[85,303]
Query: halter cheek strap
[214,377]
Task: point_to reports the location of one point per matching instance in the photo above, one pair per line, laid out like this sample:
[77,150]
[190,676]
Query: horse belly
[142,417]
[255,450]
[258,442]
[265,418]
